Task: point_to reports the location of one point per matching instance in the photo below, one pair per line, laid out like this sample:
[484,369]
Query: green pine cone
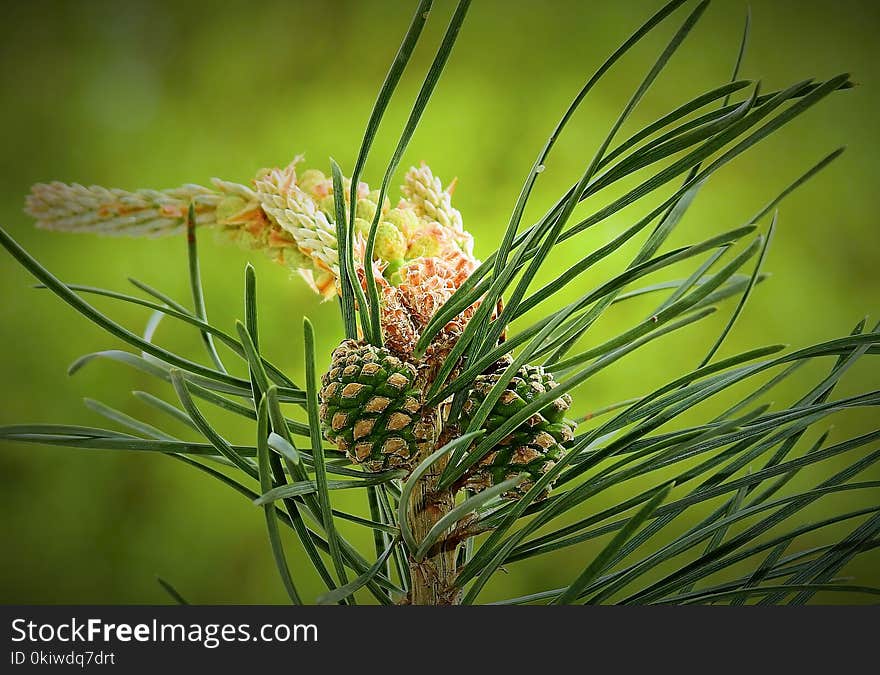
[370,406]
[535,445]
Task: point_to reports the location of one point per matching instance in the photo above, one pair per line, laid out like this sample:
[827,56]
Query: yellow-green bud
[423,245]
[362,227]
[390,242]
[373,196]
[404,220]
[366,209]
[313,182]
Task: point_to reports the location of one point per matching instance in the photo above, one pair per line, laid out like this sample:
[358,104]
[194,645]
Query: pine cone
[535,445]
[370,406]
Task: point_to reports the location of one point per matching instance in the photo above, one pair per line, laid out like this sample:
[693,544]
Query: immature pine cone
[535,445]
[370,406]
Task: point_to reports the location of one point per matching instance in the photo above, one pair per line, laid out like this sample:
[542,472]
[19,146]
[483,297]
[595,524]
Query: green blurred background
[156,94]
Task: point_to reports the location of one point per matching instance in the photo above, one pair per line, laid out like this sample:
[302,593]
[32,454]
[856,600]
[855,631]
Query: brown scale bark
[432,577]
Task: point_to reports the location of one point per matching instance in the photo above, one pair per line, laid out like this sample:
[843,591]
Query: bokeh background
[156,94]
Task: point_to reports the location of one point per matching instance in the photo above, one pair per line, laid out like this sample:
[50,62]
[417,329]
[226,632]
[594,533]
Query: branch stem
[433,576]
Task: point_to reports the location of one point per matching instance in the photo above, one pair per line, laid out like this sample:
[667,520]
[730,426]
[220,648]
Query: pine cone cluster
[371,399]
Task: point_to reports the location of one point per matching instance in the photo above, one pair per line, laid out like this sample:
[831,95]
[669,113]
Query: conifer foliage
[459,430]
